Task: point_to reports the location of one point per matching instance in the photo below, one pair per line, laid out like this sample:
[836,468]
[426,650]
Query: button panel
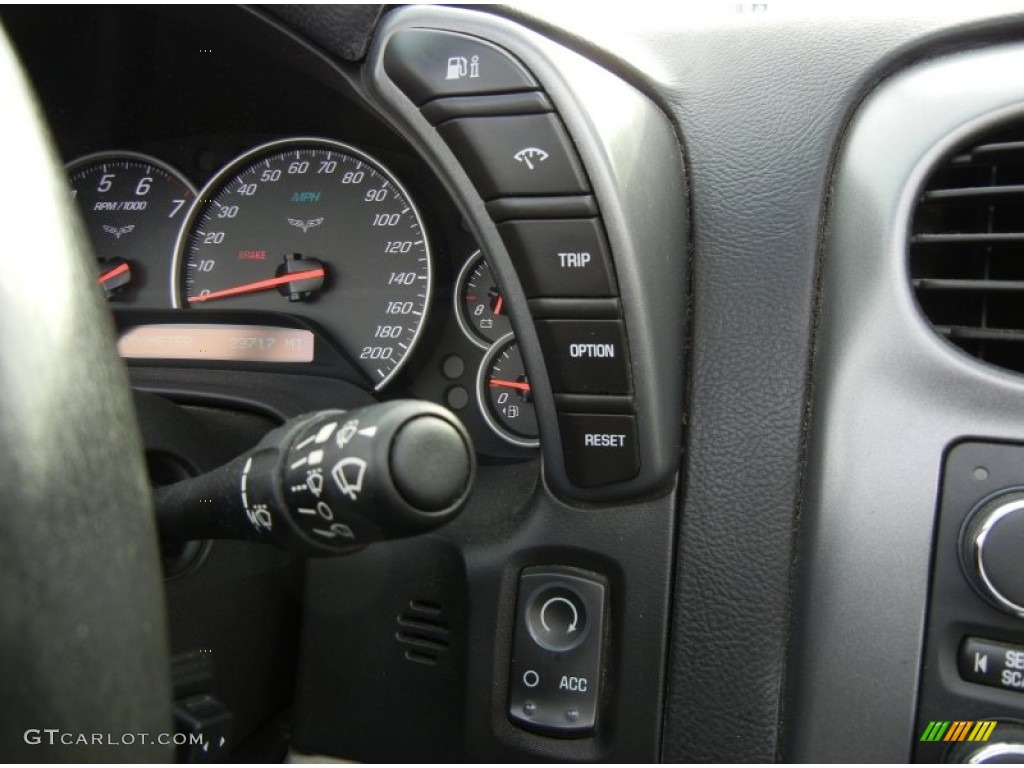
[560,257]
[516,155]
[586,357]
[555,675]
[510,140]
[429,64]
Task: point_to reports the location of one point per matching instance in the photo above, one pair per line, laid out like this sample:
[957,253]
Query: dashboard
[726,303]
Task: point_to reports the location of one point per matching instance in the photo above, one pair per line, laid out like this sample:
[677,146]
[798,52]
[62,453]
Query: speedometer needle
[260,285]
[522,385]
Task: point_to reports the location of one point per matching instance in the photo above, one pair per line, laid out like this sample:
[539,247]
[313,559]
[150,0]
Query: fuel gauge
[479,304]
[505,395]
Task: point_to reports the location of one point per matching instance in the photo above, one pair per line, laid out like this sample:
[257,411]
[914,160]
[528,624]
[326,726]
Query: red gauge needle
[260,285]
[511,384]
[118,270]
[497,305]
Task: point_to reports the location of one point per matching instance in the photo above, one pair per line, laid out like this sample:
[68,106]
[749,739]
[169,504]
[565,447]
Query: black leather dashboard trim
[903,424]
[344,30]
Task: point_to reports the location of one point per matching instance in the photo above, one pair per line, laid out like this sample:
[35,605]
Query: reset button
[599,448]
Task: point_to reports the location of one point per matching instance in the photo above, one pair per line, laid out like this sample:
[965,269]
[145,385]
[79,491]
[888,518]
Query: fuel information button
[429,64]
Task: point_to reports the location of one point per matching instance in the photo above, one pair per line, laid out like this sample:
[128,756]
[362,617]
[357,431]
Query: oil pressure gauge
[505,395]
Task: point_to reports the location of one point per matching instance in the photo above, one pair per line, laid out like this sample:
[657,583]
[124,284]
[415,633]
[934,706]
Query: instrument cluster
[314,229]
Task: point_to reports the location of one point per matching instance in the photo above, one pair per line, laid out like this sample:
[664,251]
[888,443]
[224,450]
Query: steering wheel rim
[83,641]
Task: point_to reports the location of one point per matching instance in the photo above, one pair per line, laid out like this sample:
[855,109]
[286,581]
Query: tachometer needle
[111,274]
[522,385]
[261,285]
[497,305]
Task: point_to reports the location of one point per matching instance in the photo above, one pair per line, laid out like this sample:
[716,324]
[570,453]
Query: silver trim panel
[890,397]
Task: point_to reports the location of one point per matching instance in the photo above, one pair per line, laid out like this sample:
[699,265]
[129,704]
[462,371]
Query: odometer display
[314,228]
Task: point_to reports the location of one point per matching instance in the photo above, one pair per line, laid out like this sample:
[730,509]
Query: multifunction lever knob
[332,481]
[992,550]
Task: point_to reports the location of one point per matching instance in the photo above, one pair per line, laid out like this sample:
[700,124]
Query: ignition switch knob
[331,482]
[992,550]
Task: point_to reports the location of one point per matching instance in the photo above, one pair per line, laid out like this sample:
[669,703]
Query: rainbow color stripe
[959,730]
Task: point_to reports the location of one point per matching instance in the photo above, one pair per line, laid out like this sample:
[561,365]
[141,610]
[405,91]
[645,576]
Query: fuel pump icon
[460,67]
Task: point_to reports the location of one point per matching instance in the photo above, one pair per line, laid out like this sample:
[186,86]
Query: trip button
[560,257]
[427,64]
[516,155]
[585,357]
[599,448]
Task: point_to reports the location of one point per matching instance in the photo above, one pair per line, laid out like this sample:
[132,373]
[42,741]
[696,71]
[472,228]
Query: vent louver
[967,249]
[424,632]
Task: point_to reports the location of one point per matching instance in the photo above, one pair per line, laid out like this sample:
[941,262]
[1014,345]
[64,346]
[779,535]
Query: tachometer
[133,206]
[319,229]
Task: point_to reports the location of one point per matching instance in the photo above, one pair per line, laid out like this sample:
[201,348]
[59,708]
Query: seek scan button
[600,448]
[991,662]
[560,257]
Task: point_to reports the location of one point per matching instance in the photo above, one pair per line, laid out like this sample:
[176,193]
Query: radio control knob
[992,550]
[1005,745]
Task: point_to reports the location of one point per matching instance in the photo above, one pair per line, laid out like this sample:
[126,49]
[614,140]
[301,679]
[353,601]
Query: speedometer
[318,229]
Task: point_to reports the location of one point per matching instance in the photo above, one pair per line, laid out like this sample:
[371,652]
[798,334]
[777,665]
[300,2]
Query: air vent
[424,632]
[967,249]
